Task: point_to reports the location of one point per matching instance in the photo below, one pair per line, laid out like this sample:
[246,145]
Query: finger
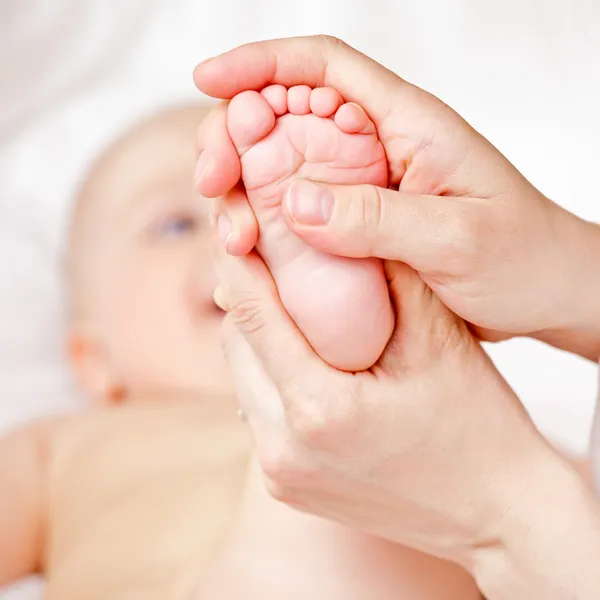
[249,293]
[489,335]
[258,398]
[430,233]
[314,61]
[257,395]
[237,224]
[218,168]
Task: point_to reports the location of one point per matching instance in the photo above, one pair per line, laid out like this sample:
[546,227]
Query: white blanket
[75,72]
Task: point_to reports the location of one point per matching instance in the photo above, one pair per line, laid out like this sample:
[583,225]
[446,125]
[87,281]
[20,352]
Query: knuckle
[308,419]
[332,41]
[373,203]
[279,492]
[326,47]
[248,313]
[366,205]
[324,422]
[280,465]
[311,427]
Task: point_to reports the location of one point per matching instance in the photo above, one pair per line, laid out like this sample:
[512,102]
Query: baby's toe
[250,118]
[298,100]
[325,101]
[276,95]
[352,118]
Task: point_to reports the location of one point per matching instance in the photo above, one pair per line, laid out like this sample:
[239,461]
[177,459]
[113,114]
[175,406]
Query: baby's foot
[342,306]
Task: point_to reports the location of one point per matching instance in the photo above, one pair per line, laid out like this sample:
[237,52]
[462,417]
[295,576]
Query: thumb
[430,233]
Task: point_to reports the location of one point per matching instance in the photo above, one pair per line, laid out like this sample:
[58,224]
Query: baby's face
[149,299]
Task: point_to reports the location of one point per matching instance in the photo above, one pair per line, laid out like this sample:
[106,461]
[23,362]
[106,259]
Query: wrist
[547,543]
[577,288]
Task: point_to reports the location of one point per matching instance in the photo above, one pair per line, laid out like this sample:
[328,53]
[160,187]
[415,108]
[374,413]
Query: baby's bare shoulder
[144,438]
[25,465]
[32,443]
[139,431]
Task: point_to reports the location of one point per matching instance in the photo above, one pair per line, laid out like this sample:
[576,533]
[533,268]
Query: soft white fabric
[75,72]
[28,589]
[595,445]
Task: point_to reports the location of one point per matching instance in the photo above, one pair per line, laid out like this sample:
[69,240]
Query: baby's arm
[23,475]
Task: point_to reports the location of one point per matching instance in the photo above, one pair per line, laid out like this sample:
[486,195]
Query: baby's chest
[122,540]
[119,525]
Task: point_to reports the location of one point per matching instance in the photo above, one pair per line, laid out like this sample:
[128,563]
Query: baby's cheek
[161,334]
[135,330]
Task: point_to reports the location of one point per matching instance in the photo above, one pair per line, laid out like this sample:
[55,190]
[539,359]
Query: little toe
[298,100]
[352,118]
[325,101]
[250,118]
[276,95]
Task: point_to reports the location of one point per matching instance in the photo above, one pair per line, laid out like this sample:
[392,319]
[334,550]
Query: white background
[75,72]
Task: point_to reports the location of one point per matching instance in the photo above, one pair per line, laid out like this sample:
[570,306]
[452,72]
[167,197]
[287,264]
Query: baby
[131,499]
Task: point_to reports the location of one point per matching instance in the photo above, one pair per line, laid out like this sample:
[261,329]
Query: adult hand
[495,250]
[430,448]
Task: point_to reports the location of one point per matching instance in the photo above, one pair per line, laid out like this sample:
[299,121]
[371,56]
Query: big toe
[250,118]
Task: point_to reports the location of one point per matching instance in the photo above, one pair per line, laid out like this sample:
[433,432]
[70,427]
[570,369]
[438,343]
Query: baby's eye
[177,226]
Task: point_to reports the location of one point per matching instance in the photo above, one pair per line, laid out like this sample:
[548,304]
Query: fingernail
[225,230]
[309,203]
[202,167]
[219,298]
